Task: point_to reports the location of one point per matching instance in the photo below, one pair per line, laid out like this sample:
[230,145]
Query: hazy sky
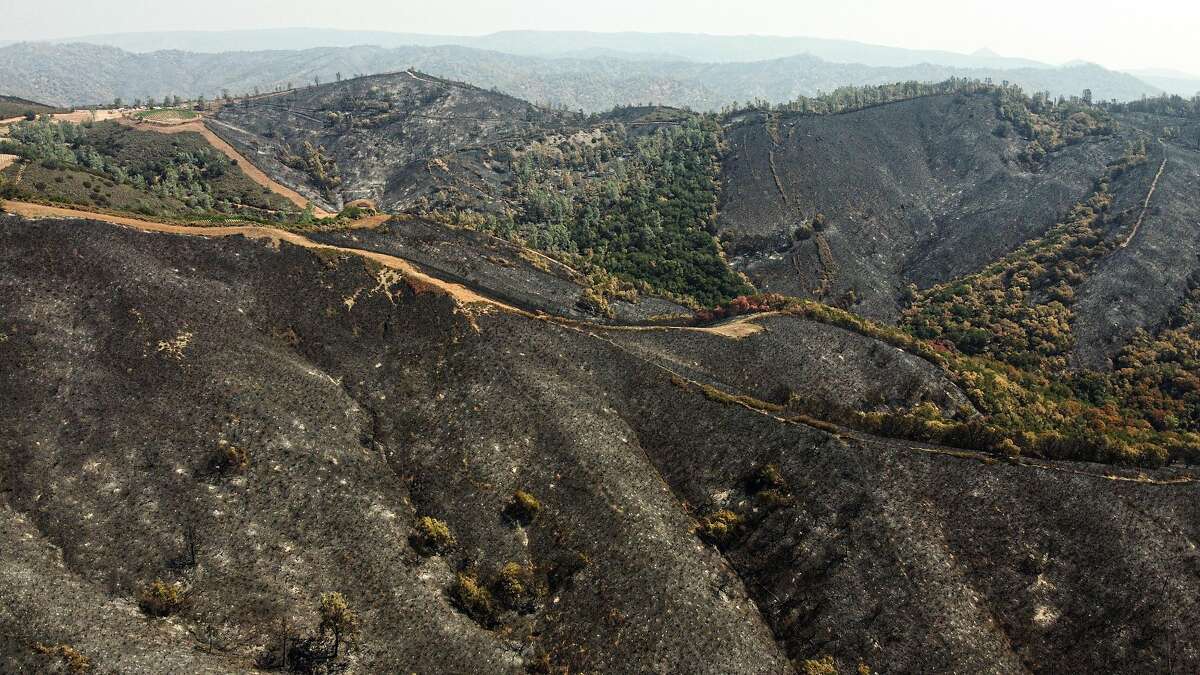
[1118,34]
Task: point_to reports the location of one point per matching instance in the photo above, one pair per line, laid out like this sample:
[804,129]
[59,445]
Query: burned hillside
[597,510]
[854,207]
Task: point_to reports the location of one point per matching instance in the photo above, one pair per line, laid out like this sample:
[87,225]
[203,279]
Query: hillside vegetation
[11,106]
[110,166]
[641,206]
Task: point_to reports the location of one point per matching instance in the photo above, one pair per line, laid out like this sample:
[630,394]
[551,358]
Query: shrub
[822,666]
[523,508]
[744,304]
[432,536]
[229,458]
[160,599]
[72,660]
[720,527]
[595,303]
[473,598]
[351,213]
[515,586]
[974,434]
[314,653]
[766,477]
[774,499]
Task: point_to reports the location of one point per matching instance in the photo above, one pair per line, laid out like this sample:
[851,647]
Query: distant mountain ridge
[669,46]
[1171,81]
[79,74]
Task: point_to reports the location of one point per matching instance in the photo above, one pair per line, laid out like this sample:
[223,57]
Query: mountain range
[592,79]
[668,46]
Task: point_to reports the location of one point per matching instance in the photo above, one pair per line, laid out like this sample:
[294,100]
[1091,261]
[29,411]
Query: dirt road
[406,269]
[735,329]
[256,174]
[197,126]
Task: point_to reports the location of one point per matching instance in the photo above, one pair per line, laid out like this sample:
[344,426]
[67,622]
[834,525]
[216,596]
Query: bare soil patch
[79,116]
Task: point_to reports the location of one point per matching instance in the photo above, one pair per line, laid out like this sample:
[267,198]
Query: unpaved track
[737,328]
[406,269]
[1146,204]
[249,168]
[7,161]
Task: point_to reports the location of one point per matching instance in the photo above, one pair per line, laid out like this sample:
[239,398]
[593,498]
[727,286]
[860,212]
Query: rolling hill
[668,46]
[11,106]
[77,74]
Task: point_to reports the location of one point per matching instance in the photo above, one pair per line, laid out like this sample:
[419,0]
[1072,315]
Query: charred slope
[789,360]
[913,192]
[130,357]
[505,271]
[357,417]
[372,130]
[1139,285]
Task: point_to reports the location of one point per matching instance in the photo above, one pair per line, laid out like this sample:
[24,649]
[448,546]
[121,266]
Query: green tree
[337,618]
